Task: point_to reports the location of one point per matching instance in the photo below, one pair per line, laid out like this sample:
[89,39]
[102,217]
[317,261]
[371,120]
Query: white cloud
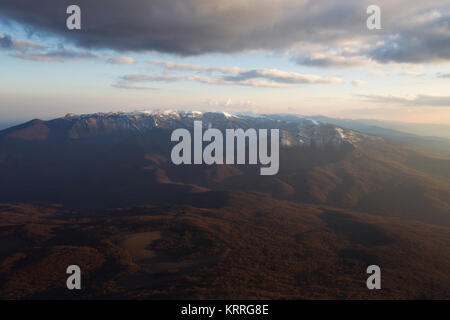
[379,73]
[414,100]
[267,78]
[121,60]
[412,74]
[59,55]
[346,57]
[191,67]
[359,83]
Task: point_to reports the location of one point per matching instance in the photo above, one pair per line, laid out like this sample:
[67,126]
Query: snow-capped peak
[227,115]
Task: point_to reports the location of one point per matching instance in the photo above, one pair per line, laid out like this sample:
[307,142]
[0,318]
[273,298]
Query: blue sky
[48,71]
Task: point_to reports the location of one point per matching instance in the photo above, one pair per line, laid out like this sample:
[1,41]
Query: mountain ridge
[123,159]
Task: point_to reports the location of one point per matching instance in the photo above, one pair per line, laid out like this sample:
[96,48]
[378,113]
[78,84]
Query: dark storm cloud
[190,27]
[420,41]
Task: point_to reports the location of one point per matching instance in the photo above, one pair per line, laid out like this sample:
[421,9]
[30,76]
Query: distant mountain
[421,129]
[6,124]
[122,159]
[428,136]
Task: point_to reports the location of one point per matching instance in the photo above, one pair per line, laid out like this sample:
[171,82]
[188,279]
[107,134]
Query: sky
[262,56]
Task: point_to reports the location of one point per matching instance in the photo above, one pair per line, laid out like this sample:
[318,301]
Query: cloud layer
[121,60]
[412,31]
[59,55]
[267,78]
[418,100]
[9,43]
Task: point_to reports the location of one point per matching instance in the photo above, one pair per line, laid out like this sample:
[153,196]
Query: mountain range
[101,186]
[124,159]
